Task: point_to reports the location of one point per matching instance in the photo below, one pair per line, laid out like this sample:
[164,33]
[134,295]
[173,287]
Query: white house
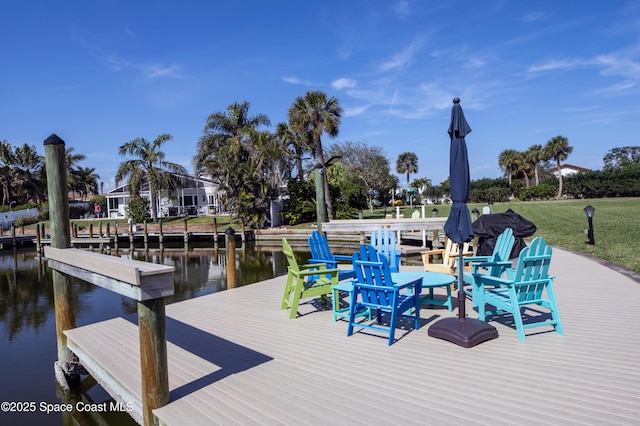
[569,169]
[195,196]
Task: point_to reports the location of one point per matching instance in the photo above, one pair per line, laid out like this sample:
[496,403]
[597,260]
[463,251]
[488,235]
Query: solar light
[434,212]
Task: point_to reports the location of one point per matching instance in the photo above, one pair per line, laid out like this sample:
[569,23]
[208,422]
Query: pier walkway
[236,358]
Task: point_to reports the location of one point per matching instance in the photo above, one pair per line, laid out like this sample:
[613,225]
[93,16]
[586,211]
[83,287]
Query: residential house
[569,169]
[195,196]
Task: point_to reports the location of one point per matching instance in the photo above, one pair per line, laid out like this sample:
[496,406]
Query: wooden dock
[236,358]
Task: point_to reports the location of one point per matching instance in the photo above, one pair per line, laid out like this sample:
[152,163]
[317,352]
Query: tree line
[23,175]
[252,166]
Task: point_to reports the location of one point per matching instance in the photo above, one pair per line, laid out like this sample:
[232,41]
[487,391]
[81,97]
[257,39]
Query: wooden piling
[153,354]
[215,233]
[131,235]
[38,238]
[160,234]
[67,363]
[230,244]
[91,230]
[115,236]
[186,235]
[145,236]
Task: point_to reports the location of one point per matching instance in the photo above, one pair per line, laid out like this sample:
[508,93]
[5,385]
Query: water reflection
[27,317]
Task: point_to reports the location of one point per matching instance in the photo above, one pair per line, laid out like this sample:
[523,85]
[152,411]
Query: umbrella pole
[462,298]
[463,331]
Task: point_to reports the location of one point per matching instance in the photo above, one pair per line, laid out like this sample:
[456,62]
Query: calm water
[27,318]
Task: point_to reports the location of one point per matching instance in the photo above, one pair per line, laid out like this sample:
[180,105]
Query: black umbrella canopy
[458,226]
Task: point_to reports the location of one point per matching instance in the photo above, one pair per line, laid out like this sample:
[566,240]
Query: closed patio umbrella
[463,331]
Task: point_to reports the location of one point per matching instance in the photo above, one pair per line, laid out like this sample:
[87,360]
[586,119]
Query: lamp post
[321,205]
[590,210]
[475,214]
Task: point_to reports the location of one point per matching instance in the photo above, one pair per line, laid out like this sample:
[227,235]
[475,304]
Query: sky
[101,73]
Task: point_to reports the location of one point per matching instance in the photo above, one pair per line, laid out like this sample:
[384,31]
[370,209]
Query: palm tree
[28,167]
[7,160]
[87,180]
[558,149]
[71,163]
[226,146]
[534,156]
[407,163]
[299,144]
[508,162]
[150,164]
[314,114]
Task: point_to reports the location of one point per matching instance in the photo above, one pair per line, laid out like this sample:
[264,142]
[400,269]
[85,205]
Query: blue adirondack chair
[528,287]
[374,290]
[321,253]
[499,263]
[384,240]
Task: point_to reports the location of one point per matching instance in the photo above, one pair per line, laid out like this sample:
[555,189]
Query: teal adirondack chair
[305,280]
[499,261]
[373,289]
[384,240]
[528,287]
[321,253]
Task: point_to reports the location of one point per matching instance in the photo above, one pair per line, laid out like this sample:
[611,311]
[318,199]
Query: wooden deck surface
[259,367]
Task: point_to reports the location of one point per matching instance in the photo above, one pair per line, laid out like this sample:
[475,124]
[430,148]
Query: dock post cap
[53,140]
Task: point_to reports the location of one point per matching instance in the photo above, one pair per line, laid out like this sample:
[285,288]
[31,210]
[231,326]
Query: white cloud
[552,65]
[151,71]
[622,88]
[402,9]
[403,58]
[618,65]
[343,83]
[352,112]
[298,81]
[535,17]
[159,71]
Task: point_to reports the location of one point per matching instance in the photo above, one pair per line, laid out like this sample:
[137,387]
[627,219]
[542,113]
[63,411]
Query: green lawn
[616,224]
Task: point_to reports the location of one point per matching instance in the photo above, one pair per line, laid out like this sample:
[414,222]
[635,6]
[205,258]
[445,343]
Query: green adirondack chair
[528,287]
[305,281]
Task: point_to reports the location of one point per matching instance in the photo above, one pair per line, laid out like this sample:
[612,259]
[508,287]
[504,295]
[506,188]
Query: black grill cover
[487,228]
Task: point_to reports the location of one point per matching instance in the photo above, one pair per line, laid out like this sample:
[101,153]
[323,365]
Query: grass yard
[616,225]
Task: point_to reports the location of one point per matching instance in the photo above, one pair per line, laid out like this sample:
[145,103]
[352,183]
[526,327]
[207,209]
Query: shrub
[544,191]
[138,209]
[26,220]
